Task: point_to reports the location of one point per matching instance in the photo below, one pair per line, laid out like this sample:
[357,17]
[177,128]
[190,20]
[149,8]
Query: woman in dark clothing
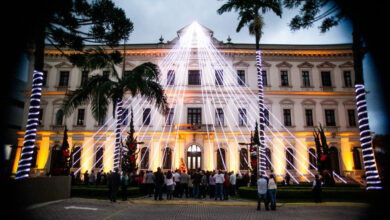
[226,186]
[317,184]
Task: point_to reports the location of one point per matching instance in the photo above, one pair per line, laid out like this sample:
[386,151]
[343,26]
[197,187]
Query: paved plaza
[147,208]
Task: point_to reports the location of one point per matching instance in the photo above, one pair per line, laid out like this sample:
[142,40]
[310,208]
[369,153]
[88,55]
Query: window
[64,78]
[351,117]
[169,118]
[266,116]
[99,157]
[347,79]
[194,77]
[221,159]
[146,116]
[312,159]
[194,116]
[284,77]
[219,77]
[326,80]
[59,117]
[305,79]
[80,117]
[167,158]
[241,77]
[244,159]
[357,158]
[40,116]
[101,122]
[287,117]
[76,157]
[265,79]
[241,117]
[194,155]
[106,74]
[84,78]
[44,80]
[330,117]
[125,113]
[145,158]
[309,117]
[171,78]
[219,117]
[290,159]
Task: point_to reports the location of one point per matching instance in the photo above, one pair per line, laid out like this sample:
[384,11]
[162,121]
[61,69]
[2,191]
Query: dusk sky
[155,18]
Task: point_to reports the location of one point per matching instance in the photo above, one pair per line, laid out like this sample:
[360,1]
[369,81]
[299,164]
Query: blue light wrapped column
[261,151]
[118,145]
[31,127]
[372,176]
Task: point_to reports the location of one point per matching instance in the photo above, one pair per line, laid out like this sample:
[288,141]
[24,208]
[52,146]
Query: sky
[155,18]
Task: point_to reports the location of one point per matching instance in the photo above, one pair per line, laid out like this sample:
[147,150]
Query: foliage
[130,150]
[323,158]
[249,14]
[312,11]
[101,90]
[101,191]
[304,193]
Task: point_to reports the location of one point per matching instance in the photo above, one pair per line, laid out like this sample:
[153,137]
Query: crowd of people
[198,184]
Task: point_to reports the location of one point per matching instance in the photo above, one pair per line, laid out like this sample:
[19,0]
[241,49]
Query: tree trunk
[372,177]
[118,144]
[261,163]
[33,113]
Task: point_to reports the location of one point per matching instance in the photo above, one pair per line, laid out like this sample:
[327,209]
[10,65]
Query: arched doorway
[334,159]
[194,157]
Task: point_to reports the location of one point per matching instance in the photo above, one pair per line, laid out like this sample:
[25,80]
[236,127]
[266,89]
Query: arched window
[312,159]
[194,156]
[244,159]
[59,117]
[290,159]
[334,159]
[221,162]
[167,158]
[145,158]
[357,158]
[76,157]
[267,161]
[99,157]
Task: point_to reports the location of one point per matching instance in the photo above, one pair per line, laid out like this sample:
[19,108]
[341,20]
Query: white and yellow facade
[291,59]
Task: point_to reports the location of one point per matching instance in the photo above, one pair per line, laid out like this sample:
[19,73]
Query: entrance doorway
[194,156]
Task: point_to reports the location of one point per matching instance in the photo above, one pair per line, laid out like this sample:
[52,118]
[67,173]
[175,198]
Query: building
[213,94]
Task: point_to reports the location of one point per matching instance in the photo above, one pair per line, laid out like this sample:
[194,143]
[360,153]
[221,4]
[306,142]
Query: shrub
[101,191]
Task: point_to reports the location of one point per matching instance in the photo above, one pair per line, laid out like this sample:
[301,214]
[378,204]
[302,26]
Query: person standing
[184,179]
[86,177]
[115,181]
[203,184]
[262,186]
[226,186]
[169,182]
[232,184]
[212,185]
[272,191]
[196,184]
[149,182]
[176,178]
[317,189]
[158,183]
[124,184]
[219,180]
[92,179]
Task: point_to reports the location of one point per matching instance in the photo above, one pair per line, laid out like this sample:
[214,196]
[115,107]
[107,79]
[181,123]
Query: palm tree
[249,14]
[310,13]
[100,90]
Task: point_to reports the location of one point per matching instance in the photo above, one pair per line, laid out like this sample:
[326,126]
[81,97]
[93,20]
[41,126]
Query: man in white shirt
[219,179]
[262,186]
[176,178]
